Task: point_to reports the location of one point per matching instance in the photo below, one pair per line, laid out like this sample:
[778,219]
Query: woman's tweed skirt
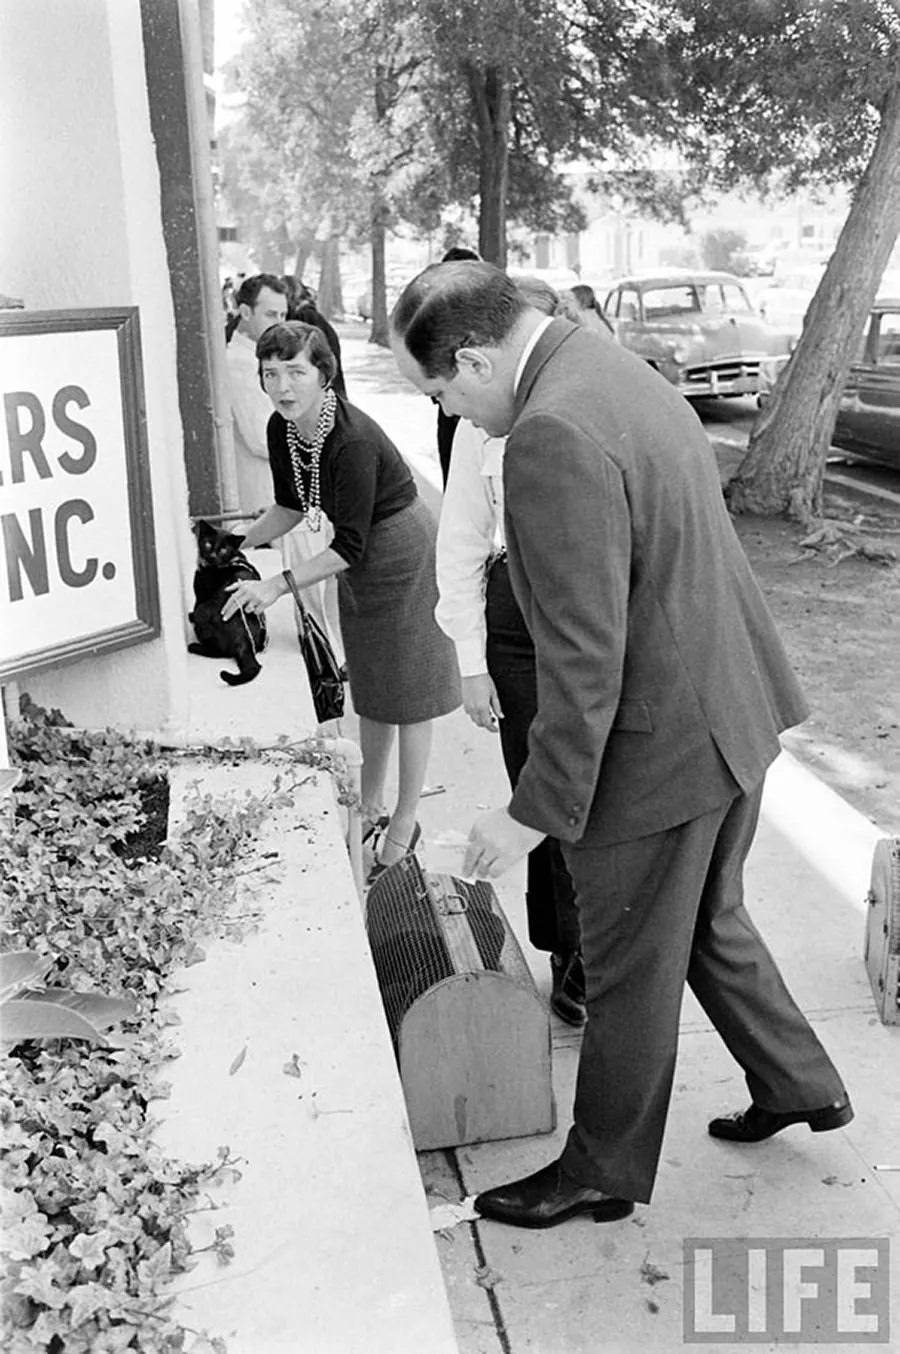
[401,666]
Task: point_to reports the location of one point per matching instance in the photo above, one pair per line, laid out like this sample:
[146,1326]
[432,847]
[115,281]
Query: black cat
[221,563]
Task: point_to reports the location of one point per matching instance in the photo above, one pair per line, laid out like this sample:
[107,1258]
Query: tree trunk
[305,246]
[379,217]
[328,299]
[379,332]
[784,468]
[489,89]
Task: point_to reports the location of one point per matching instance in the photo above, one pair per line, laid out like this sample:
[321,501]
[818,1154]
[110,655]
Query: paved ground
[583,1288]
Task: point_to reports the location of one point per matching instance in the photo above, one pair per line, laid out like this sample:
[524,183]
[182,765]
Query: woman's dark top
[362,477]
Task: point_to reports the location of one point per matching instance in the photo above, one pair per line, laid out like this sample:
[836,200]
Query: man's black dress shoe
[547,1198]
[567,992]
[756,1124]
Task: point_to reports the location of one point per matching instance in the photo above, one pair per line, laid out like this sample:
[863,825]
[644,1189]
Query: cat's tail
[249,668]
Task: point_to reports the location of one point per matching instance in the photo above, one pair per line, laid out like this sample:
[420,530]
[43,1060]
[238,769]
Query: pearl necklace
[305,456]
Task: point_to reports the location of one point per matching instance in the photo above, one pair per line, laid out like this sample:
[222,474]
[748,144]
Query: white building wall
[80,227]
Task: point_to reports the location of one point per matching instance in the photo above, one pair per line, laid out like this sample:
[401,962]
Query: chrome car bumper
[723,378]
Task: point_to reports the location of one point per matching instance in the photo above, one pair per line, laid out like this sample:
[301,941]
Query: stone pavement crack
[496,1314]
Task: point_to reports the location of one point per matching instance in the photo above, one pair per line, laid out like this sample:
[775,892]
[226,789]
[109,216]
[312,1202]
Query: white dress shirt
[251,410]
[470,531]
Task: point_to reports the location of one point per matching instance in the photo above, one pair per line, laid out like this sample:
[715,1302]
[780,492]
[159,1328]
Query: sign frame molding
[125,321]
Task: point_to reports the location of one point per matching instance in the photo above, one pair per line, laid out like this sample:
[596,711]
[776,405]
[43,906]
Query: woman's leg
[375,743]
[414,748]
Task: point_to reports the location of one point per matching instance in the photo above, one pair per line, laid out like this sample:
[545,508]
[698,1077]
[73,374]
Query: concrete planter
[286,1058]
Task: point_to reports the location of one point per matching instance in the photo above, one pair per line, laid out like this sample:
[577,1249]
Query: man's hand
[480,701]
[252,596]
[496,842]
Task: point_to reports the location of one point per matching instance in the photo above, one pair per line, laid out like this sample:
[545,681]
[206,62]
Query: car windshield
[678,300]
[889,339]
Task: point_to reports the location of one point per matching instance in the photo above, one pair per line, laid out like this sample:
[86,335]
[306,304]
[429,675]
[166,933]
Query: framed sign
[77,558]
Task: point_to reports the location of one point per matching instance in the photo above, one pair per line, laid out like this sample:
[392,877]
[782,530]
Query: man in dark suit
[662,688]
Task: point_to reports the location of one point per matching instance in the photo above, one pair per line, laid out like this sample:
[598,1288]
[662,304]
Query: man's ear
[245,311]
[477,361]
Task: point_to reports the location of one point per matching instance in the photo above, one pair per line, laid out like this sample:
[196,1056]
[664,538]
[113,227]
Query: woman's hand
[252,596]
[480,701]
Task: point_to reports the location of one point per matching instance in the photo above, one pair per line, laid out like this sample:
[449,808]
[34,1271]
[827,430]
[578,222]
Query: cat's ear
[205,531]
[232,542]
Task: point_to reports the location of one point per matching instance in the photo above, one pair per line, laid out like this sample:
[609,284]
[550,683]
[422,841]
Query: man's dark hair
[248,292]
[286,340]
[538,293]
[585,296]
[587,300]
[298,295]
[458,253]
[455,305]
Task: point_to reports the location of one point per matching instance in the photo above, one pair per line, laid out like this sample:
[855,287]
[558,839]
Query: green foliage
[27,1012]
[724,250]
[776,93]
[93,1224]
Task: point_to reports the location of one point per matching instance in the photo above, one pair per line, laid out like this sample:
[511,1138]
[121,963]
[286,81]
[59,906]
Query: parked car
[787,297]
[698,329]
[868,421]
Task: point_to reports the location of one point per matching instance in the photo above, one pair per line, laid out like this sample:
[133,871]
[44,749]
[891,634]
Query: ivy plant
[99,902]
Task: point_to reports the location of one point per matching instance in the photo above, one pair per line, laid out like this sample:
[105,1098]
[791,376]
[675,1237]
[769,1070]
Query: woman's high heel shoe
[373,828]
[379,867]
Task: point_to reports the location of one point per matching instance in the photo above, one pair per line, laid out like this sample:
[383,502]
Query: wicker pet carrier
[470,1031]
[882,947]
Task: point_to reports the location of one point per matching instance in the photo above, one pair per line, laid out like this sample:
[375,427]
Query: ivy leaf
[24,1239]
[155,1272]
[90,1248]
[85,1300]
[40,1284]
[114,1340]
[107,1133]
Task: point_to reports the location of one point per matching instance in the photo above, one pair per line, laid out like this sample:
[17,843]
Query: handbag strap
[292,584]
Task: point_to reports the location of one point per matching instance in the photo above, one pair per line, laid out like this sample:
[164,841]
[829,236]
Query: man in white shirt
[261,301]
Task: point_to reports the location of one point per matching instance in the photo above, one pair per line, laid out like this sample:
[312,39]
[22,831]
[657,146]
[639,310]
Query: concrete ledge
[333,1246]
[277,702]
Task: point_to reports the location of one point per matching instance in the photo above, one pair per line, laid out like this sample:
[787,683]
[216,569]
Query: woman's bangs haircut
[286,340]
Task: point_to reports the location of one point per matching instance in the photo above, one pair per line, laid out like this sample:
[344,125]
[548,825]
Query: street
[732,420]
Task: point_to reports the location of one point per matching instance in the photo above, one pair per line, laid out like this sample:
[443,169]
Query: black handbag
[323,670]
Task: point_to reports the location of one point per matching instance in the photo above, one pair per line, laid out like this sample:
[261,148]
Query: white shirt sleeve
[467,536]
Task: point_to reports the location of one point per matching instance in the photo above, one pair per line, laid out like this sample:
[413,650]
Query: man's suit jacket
[662,683]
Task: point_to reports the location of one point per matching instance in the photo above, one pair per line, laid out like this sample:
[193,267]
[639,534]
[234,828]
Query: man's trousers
[654,913]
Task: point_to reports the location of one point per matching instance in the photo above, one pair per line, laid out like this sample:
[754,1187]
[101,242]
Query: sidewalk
[358,1259]
[583,1289]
